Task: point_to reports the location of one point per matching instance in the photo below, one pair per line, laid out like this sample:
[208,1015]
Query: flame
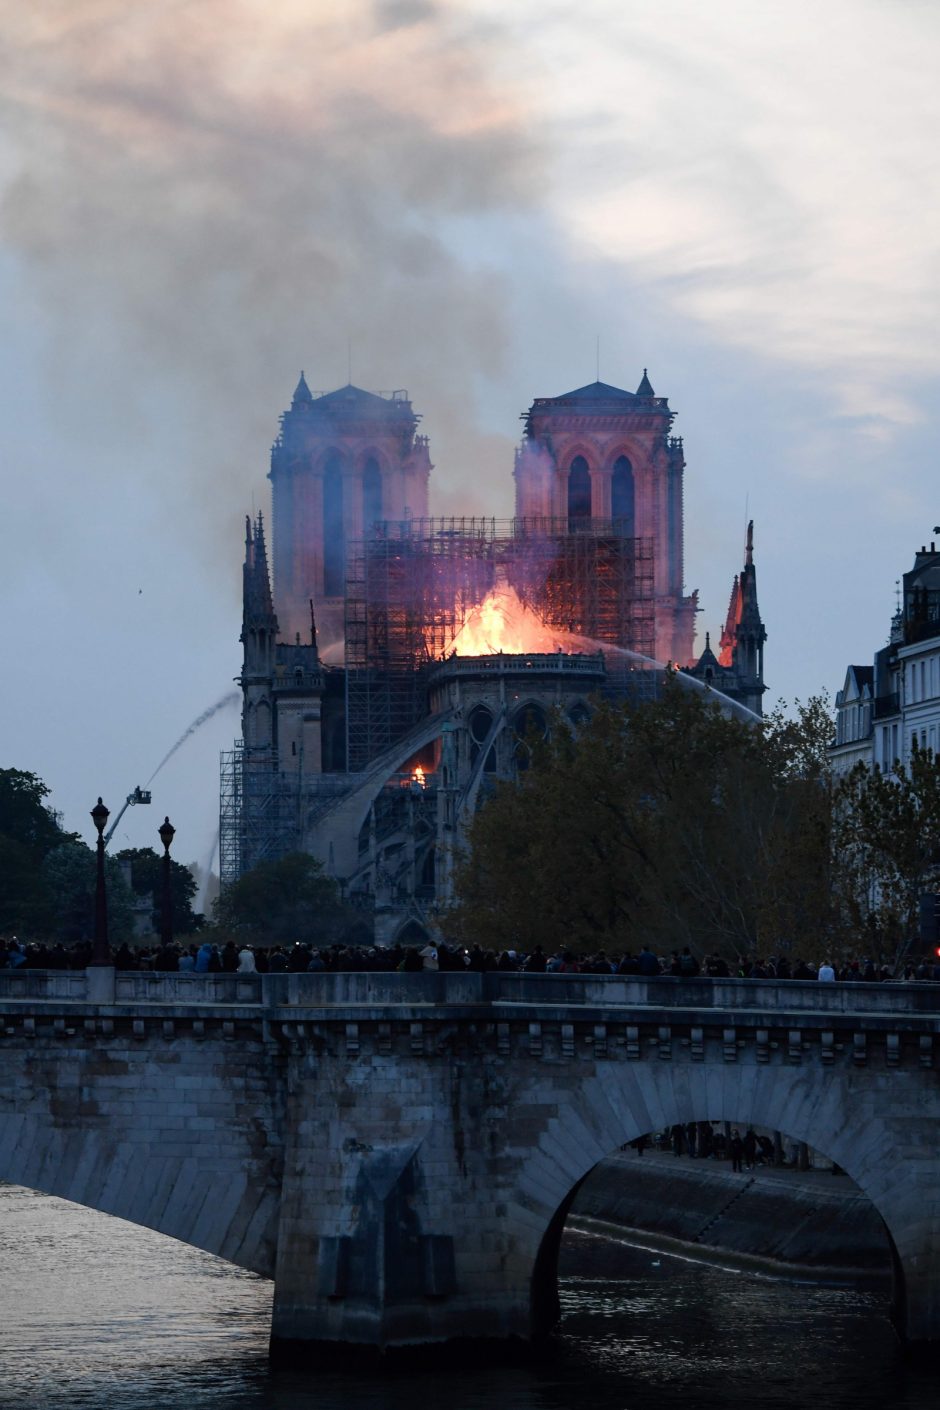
[419,777]
[502,622]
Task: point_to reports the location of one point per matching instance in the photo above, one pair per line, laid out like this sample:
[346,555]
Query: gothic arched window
[334,542]
[579,489]
[622,497]
[371,495]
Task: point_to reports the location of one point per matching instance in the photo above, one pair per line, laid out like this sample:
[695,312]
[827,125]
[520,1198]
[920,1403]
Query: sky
[461,198]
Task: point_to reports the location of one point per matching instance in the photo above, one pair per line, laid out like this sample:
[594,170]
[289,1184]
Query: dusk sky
[199,199]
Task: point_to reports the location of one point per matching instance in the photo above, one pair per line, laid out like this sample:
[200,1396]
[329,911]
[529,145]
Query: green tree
[29,831]
[659,820]
[888,838]
[280,902]
[147,880]
[71,872]
[24,814]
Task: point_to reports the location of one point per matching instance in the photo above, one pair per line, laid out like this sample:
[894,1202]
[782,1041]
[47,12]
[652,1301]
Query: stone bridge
[399,1152]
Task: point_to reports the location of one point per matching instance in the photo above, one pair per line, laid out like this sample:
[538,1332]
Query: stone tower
[738,669]
[343,461]
[259,639]
[283,686]
[602,457]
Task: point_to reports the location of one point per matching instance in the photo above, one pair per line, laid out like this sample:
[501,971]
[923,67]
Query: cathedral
[396,664]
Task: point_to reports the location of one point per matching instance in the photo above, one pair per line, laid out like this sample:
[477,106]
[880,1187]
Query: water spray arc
[231,697]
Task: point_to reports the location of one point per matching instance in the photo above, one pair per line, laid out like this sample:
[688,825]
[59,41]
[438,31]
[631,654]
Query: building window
[622,497]
[579,489]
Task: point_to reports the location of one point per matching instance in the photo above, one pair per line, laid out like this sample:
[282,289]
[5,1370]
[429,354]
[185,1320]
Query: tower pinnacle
[301,395]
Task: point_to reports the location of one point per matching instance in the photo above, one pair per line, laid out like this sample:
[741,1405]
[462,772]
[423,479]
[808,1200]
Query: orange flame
[419,777]
[502,622]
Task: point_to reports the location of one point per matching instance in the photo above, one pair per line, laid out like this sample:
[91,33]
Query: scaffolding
[590,580]
[410,586]
[260,816]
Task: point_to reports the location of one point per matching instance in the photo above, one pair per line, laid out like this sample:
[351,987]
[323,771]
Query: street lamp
[100,954]
[167,833]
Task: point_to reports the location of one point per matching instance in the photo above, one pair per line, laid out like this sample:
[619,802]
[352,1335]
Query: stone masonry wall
[178,1128]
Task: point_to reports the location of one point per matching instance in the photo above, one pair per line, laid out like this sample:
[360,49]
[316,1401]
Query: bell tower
[343,462]
[603,460]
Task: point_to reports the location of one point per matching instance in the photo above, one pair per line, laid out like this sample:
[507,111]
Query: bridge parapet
[381,990]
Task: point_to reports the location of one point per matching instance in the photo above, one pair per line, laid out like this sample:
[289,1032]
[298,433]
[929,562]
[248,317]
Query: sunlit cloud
[771,170]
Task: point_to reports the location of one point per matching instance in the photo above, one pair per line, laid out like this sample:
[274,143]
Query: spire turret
[302,396]
[645,389]
[257,603]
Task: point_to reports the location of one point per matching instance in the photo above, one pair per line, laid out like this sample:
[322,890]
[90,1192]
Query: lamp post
[167,833]
[100,954]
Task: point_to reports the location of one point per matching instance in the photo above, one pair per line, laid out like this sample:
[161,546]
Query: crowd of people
[229,957]
[708,1140]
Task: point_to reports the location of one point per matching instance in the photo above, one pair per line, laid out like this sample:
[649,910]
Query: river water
[96,1314]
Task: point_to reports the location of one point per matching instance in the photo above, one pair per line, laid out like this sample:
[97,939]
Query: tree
[888,835]
[29,831]
[70,872]
[147,880]
[283,901]
[24,814]
[662,821]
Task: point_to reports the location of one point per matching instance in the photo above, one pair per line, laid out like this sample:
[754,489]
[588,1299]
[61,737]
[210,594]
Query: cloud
[770,171]
[201,199]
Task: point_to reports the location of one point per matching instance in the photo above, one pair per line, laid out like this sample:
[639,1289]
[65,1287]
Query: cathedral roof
[600,398]
[594,391]
[354,402]
[355,399]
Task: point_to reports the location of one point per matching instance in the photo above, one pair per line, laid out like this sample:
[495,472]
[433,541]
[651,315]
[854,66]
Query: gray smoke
[208,198]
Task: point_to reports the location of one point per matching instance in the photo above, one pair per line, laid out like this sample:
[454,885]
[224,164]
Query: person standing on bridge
[647,963]
[826,973]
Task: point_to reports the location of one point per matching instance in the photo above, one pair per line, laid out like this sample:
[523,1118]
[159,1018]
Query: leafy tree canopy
[24,815]
[888,835]
[29,831]
[280,902]
[147,880]
[661,821]
[70,872]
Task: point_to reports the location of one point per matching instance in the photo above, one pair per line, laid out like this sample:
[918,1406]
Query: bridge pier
[391,1234]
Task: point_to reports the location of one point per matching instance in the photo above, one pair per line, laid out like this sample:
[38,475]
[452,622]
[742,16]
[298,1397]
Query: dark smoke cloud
[208,197]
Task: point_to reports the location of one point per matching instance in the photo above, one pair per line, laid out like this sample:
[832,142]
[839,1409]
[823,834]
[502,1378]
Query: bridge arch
[637,1100]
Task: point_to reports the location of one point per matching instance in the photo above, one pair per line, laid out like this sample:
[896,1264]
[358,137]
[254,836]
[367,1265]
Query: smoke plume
[205,198]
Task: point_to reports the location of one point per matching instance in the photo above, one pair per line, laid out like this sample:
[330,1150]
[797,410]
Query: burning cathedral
[395,665]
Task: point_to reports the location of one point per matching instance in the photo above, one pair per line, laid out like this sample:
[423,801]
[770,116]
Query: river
[96,1314]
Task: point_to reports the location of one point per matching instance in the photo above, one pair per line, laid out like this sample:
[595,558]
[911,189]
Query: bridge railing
[329,990]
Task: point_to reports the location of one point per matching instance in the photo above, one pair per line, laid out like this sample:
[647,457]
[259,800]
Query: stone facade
[343,461]
[605,454]
[400,1152]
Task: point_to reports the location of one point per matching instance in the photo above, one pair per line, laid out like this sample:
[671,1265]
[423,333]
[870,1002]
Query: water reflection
[95,1313]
